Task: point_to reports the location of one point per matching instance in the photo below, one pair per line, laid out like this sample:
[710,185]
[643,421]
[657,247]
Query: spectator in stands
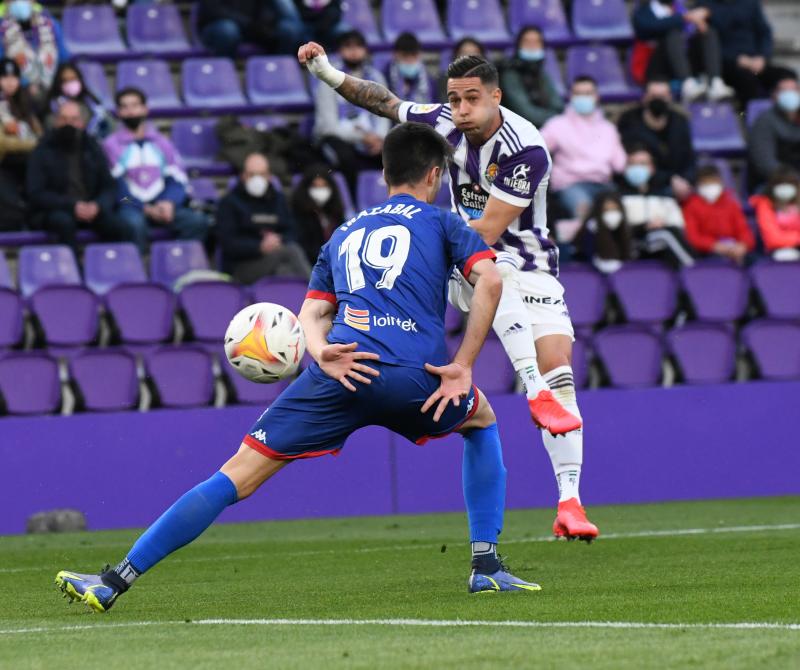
[746,40]
[317,208]
[775,137]
[585,148]
[605,237]
[664,25]
[69,182]
[32,38]
[19,132]
[527,88]
[405,74]
[255,229]
[152,182]
[778,215]
[715,222]
[654,216]
[662,127]
[466,46]
[225,24]
[351,138]
[311,20]
[68,84]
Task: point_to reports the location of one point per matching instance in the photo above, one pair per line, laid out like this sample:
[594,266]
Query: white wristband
[324,71]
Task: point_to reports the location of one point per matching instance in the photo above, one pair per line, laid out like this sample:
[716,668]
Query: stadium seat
[492,372]
[715,128]
[647,292]
[756,108]
[107,265]
[371,189]
[480,19]
[197,143]
[171,259]
[277,82]
[106,380]
[203,189]
[262,122]
[718,291]
[46,265]
[156,29]
[580,362]
[553,70]
[602,64]
[182,376]
[29,383]
[142,313]
[631,356]
[153,77]
[283,291]
[601,20]
[585,292]
[358,14]
[92,30]
[5,273]
[68,315]
[11,318]
[705,353]
[94,77]
[251,393]
[775,347]
[212,84]
[547,14]
[414,16]
[209,307]
[777,285]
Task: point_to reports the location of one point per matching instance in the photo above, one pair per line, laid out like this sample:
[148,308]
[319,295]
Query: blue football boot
[500,580]
[89,589]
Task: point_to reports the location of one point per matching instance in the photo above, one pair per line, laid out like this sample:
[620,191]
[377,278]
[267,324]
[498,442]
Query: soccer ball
[264,343]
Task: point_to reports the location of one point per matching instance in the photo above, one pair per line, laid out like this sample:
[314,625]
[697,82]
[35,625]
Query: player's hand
[341,361]
[309,51]
[455,385]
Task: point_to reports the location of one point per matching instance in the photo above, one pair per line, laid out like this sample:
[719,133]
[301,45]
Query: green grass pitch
[693,564]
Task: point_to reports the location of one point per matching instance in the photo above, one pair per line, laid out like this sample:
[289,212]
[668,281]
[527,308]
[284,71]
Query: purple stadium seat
[5,273]
[10,318]
[706,354]
[29,383]
[601,20]
[358,14]
[715,128]
[197,143]
[585,292]
[756,108]
[92,30]
[492,372]
[142,313]
[209,307]
[370,189]
[262,122]
[203,189]
[95,78]
[211,84]
[107,265]
[250,393]
[775,346]
[602,64]
[156,29]
[46,265]
[777,284]
[282,291]
[553,70]
[718,292]
[481,19]
[646,291]
[169,260]
[344,193]
[580,362]
[69,315]
[547,14]
[22,238]
[414,16]
[276,82]
[631,356]
[106,380]
[182,376]
[154,78]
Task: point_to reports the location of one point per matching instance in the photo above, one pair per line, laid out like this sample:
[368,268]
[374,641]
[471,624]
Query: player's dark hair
[473,66]
[410,150]
[584,79]
[707,172]
[407,43]
[130,90]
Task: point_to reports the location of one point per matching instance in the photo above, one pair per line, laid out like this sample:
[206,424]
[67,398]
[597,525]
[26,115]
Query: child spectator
[605,237]
[68,84]
[778,215]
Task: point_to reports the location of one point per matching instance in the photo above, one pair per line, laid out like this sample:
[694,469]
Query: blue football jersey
[386,270]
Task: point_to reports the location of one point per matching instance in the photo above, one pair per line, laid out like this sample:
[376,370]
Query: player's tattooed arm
[372,96]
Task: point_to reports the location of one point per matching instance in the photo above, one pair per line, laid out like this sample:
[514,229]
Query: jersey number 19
[395,239]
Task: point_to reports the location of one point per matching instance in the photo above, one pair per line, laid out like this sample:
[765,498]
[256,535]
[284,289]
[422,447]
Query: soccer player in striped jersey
[498,183]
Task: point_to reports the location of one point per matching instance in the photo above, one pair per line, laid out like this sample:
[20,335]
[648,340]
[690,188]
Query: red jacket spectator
[777,231]
[708,223]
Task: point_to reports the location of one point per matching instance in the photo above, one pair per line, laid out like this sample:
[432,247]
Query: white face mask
[320,194]
[785,192]
[256,186]
[710,192]
[612,218]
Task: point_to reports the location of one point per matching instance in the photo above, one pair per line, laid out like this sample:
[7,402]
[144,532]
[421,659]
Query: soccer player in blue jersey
[374,325]
[498,183]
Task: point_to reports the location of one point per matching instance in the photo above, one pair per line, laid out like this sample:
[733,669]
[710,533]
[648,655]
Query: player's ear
[497,96]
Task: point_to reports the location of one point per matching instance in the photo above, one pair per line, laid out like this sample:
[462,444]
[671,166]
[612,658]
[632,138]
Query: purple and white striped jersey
[512,165]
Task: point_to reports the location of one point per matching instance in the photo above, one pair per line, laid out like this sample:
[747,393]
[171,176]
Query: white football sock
[566,451]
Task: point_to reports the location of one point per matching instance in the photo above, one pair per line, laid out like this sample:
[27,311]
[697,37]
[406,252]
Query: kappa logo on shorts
[260,435]
[471,404]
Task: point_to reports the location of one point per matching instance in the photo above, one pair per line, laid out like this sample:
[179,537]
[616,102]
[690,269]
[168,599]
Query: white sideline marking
[674,532]
[425,623]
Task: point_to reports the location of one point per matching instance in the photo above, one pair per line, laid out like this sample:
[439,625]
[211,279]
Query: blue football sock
[484,480]
[193,512]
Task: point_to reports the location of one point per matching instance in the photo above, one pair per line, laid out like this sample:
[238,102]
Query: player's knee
[248,470]
[484,416]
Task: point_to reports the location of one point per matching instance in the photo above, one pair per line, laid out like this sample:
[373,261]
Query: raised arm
[370,95]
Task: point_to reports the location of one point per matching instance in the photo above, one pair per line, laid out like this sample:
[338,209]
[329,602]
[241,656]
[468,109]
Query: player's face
[475,105]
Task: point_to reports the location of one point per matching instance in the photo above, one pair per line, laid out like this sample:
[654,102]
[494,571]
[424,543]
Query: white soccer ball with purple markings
[265,343]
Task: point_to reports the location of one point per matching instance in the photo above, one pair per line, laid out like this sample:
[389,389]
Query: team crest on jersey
[473,199]
[491,172]
[423,109]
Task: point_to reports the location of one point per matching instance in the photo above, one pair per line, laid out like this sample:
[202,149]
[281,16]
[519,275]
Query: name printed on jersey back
[407,211]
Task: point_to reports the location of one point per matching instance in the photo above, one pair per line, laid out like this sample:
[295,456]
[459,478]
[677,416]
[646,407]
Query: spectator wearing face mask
[317,208]
[715,222]
[255,229]
[68,84]
[657,124]
[585,148]
[775,137]
[527,88]
[406,75]
[778,215]
[604,239]
[654,216]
